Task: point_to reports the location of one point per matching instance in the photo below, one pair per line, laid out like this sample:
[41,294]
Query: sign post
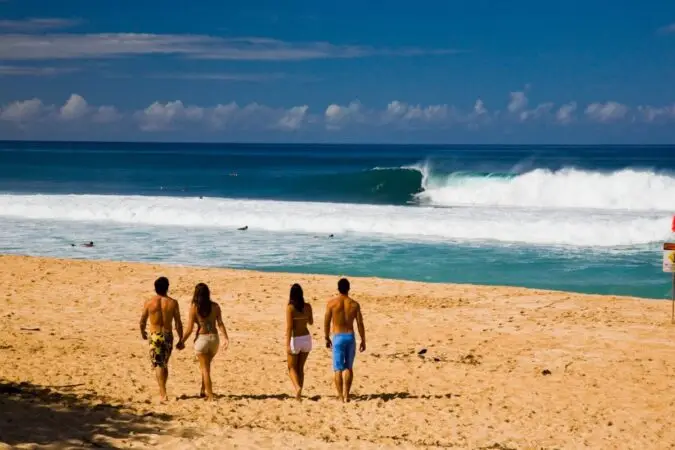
[669,267]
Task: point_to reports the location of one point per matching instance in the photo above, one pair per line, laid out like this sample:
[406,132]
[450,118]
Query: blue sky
[429,71]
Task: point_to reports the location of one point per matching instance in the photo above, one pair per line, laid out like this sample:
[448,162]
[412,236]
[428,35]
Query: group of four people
[163,312]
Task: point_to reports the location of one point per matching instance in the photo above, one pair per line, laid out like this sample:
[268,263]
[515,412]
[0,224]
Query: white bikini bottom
[207,344]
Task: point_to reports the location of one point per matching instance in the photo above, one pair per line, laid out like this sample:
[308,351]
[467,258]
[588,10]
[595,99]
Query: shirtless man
[343,311]
[162,312]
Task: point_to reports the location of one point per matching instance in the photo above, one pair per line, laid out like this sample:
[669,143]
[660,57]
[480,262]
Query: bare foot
[340,399]
[209,398]
[347,399]
[298,395]
[163,398]
[202,394]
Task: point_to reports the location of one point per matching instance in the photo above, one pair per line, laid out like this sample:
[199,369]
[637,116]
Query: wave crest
[564,189]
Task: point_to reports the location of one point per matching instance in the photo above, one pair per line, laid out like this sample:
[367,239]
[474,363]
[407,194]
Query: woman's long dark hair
[297,299]
[202,299]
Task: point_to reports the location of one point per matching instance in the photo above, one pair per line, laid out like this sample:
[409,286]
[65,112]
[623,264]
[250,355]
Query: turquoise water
[585,219]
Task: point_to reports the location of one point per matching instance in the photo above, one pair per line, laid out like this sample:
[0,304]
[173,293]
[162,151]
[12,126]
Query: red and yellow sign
[669,257]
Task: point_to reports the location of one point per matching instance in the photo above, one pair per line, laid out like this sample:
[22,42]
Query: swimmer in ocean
[243,228]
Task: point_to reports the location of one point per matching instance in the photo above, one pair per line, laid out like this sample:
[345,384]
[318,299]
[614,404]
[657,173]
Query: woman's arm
[221,325]
[190,325]
[289,327]
[310,313]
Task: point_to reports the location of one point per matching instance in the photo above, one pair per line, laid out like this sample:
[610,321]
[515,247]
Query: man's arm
[144,321]
[179,323]
[326,324]
[362,329]
[190,325]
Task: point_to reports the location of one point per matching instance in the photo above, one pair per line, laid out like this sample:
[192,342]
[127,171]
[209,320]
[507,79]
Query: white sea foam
[517,225]
[630,190]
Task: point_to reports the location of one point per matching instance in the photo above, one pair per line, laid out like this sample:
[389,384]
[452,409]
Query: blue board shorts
[344,351]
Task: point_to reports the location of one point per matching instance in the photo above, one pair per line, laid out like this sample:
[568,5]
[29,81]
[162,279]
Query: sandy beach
[504,368]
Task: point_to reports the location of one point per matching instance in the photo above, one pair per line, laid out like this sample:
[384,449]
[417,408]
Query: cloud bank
[162,117]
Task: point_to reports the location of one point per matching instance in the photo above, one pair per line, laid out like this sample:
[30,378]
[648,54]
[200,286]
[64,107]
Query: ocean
[577,218]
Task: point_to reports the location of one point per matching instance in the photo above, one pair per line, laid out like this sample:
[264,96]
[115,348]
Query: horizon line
[335,144]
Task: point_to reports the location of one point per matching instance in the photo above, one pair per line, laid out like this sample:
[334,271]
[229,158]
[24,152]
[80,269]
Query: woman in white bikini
[207,315]
[298,339]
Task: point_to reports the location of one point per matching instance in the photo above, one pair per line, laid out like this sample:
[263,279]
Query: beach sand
[505,368]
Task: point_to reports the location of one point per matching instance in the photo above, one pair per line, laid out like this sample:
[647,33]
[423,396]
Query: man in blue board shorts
[342,311]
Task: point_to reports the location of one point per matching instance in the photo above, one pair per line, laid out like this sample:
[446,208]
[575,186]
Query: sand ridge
[503,368]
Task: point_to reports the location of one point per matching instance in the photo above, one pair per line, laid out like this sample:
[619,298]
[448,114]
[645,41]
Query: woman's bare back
[207,325]
[301,320]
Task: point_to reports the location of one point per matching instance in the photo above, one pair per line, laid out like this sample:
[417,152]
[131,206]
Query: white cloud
[397,110]
[655,114]
[158,116]
[35,25]
[107,45]
[293,118]
[34,71]
[606,112]
[479,108]
[479,115]
[223,115]
[337,116]
[224,76]
[540,111]
[518,102]
[396,113]
[23,111]
[106,114]
[565,113]
[176,115]
[409,115]
[75,108]
[265,49]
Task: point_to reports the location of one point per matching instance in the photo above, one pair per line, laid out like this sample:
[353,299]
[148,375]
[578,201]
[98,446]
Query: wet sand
[504,368]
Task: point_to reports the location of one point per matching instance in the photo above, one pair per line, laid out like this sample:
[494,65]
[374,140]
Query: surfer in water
[86,244]
[243,228]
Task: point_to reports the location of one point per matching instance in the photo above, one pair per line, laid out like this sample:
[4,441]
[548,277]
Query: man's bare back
[161,312]
[344,311]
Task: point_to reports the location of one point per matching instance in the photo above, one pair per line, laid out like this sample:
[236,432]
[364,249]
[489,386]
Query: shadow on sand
[315,398]
[389,396]
[31,414]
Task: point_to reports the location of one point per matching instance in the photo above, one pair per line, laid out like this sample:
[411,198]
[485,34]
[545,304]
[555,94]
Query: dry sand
[86,379]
